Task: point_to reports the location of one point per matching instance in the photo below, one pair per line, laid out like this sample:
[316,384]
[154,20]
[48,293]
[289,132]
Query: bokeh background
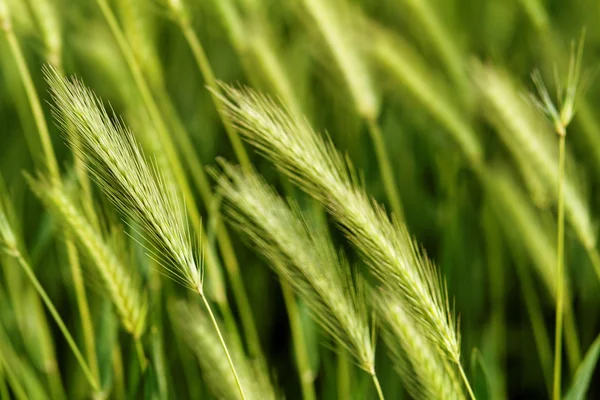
[431,66]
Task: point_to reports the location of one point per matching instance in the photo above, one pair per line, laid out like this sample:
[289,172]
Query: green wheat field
[299,199]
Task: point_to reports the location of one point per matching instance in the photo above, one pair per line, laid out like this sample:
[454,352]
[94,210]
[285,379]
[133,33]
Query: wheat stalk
[10,244]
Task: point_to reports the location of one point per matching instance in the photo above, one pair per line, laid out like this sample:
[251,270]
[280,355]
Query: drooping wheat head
[303,256]
[133,183]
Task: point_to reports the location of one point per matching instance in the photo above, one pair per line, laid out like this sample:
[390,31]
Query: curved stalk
[216,325]
[559,269]
[377,386]
[465,380]
[57,318]
[303,363]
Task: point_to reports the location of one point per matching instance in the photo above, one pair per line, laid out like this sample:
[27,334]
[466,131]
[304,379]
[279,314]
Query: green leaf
[581,381]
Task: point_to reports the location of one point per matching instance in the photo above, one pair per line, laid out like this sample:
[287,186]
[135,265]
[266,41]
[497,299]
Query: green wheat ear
[303,256]
[122,286]
[384,243]
[132,182]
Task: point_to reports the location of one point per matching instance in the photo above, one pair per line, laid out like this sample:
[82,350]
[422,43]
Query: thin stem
[139,349]
[385,168]
[52,166]
[3,389]
[303,363]
[377,386]
[343,373]
[465,380]
[559,269]
[119,380]
[229,259]
[216,325]
[16,386]
[34,103]
[540,333]
[82,306]
[571,337]
[57,318]
[209,78]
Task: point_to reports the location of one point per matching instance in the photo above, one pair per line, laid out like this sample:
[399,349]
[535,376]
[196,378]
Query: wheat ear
[304,257]
[385,243]
[124,289]
[134,184]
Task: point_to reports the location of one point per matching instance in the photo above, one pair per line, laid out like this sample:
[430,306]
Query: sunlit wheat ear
[303,256]
[426,374]
[321,170]
[562,110]
[196,329]
[131,181]
[124,289]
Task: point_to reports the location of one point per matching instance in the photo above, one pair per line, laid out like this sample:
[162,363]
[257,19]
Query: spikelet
[427,375]
[386,245]
[528,138]
[196,328]
[124,289]
[131,181]
[304,257]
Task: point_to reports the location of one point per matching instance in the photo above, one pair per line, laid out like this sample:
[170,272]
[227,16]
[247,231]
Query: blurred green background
[429,86]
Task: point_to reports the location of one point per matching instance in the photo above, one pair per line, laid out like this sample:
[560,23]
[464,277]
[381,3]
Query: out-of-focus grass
[427,98]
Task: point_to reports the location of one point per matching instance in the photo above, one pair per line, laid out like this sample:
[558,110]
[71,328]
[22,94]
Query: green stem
[57,318]
[139,349]
[209,78]
[118,376]
[52,166]
[34,102]
[385,168]
[16,386]
[303,363]
[540,333]
[377,386]
[571,337]
[229,259]
[465,380]
[216,326]
[83,306]
[556,392]
[343,373]
[3,389]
